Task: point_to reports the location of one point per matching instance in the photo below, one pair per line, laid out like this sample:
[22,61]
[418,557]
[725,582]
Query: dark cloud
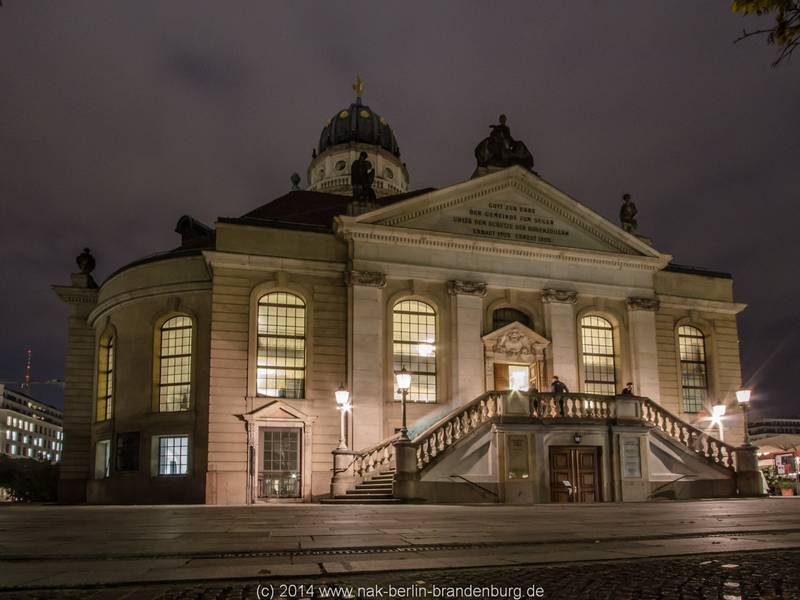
[118,117]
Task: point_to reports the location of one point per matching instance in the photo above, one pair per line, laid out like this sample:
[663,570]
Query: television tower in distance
[26,384]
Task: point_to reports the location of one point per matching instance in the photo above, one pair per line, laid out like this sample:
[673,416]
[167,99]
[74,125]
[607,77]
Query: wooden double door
[574,474]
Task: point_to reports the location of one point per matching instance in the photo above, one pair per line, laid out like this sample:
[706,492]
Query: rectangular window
[13,448]
[280,474]
[127,454]
[105,379]
[102,459]
[173,455]
[597,341]
[175,379]
[281,352]
[694,382]
[414,348]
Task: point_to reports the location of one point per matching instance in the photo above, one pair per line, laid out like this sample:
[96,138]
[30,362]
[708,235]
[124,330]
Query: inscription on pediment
[509,219]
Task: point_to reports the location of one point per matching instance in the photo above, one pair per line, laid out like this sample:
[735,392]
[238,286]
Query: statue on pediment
[501,150]
[627,214]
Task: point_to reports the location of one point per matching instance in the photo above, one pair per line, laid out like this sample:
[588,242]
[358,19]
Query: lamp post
[743,398]
[717,413]
[403,380]
[343,405]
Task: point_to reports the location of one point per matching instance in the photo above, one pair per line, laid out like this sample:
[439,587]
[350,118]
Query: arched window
[414,347]
[281,358]
[503,316]
[694,381]
[597,343]
[104,408]
[175,364]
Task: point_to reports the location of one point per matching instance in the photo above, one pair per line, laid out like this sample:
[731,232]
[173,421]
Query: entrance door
[512,377]
[574,474]
[280,475]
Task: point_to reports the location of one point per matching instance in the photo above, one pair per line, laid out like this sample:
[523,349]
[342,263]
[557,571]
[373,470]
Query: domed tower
[349,132]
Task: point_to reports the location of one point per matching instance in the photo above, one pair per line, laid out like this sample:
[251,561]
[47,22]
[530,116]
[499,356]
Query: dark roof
[175,253]
[676,268]
[312,211]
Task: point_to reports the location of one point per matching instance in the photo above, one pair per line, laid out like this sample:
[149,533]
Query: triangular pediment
[514,336]
[510,206]
[278,410]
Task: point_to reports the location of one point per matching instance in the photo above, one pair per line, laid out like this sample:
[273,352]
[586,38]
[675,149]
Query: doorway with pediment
[514,358]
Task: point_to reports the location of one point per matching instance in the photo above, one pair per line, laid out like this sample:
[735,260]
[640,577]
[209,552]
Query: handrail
[551,405]
[477,485]
[697,440]
[374,458]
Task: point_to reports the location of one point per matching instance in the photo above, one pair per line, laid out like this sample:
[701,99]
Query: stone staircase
[375,490]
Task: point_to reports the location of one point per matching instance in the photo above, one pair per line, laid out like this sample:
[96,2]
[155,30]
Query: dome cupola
[347,133]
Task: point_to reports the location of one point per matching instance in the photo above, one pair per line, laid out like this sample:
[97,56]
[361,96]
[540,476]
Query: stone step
[375,484]
[341,500]
[369,492]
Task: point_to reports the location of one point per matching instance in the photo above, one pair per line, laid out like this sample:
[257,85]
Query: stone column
[76,458]
[467,346]
[643,347]
[367,355]
[559,315]
[748,476]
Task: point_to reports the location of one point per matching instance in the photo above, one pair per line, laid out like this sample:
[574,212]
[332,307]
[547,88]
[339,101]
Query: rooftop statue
[501,150]
[627,214]
[362,176]
[85,261]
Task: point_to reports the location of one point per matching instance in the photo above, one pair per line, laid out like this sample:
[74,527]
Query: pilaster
[76,458]
[559,315]
[467,347]
[644,346]
[368,356]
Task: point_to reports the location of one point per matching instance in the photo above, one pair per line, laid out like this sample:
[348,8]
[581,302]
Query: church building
[356,340]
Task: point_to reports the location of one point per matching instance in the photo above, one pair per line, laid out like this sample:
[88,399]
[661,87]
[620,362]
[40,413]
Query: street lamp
[343,406]
[403,380]
[743,398]
[717,413]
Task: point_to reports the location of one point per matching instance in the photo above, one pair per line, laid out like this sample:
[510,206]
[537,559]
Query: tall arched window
[597,343]
[694,382]
[175,364]
[281,357]
[414,347]
[503,316]
[104,407]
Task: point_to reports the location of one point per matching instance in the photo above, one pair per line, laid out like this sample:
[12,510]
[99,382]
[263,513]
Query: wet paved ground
[659,550]
[740,576]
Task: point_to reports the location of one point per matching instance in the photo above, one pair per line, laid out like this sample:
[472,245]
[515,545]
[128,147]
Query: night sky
[118,117]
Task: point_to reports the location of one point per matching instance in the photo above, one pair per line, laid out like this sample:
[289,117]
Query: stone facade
[507,240]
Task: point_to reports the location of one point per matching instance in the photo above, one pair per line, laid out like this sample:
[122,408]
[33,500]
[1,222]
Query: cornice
[124,298]
[251,262]
[76,295]
[381,234]
[713,306]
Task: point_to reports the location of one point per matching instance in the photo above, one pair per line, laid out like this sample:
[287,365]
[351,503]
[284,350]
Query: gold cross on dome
[358,86]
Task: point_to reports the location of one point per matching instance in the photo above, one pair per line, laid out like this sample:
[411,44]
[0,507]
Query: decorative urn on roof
[348,133]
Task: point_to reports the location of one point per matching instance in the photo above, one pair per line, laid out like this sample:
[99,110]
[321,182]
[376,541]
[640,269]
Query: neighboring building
[207,373]
[29,428]
[766,428]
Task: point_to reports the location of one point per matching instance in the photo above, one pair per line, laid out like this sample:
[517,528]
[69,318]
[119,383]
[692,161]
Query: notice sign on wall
[631,458]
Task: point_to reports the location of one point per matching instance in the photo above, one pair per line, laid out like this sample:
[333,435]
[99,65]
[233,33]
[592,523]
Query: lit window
[102,459]
[694,382]
[105,378]
[281,360]
[175,380]
[29,452]
[173,455]
[414,348]
[13,449]
[8,421]
[505,316]
[597,343]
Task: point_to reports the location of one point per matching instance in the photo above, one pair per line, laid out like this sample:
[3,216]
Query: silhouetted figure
[627,390]
[627,214]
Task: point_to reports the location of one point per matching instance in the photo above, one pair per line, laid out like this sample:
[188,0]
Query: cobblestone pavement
[735,576]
